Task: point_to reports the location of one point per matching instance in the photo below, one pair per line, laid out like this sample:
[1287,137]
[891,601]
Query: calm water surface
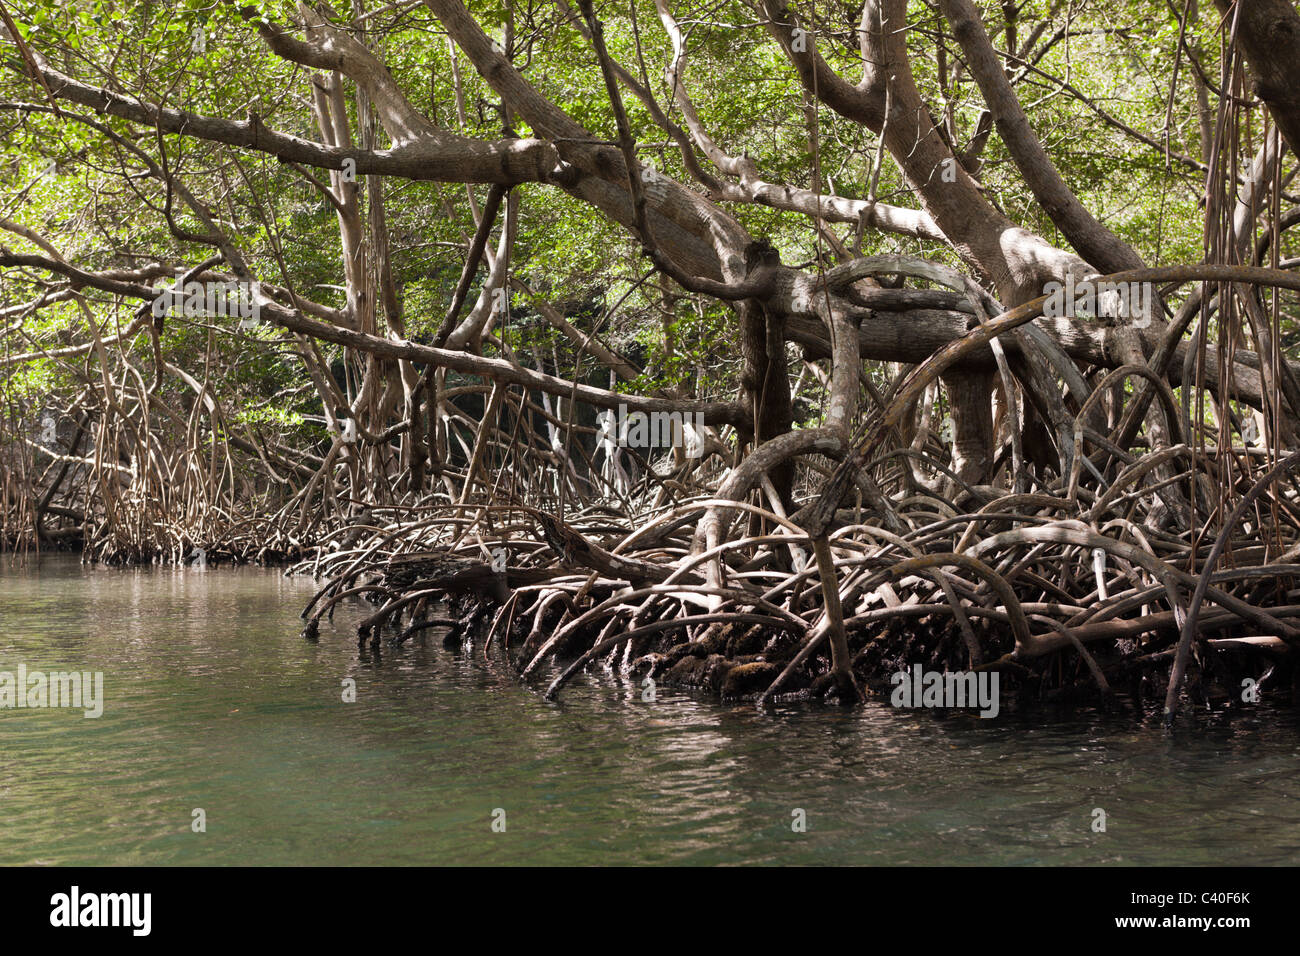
[213,701]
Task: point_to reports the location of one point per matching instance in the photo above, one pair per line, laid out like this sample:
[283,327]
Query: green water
[213,701]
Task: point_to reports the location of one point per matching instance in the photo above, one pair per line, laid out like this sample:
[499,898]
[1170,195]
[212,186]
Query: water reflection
[214,701]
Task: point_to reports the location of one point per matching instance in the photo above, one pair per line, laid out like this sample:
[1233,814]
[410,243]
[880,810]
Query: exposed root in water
[1064,605]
